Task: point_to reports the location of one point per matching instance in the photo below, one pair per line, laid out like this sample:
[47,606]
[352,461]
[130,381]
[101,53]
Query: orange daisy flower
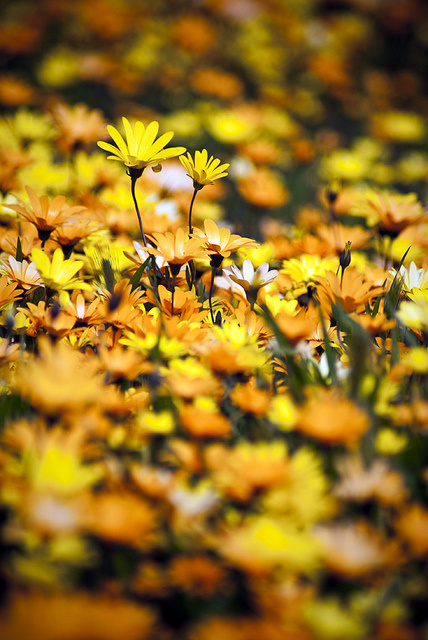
[46,215]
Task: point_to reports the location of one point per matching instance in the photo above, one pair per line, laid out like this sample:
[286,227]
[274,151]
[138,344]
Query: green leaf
[19,255]
[135,280]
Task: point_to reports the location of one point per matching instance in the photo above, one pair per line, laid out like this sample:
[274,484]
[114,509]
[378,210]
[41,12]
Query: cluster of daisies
[204,436]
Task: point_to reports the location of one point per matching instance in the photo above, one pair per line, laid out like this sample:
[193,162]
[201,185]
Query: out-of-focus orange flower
[263,188]
[359,483]
[193,32]
[122,518]
[189,382]
[152,481]
[303,150]
[375,325]
[11,161]
[412,527]
[187,454]
[414,414]
[73,615]
[250,398]
[241,628]
[261,151]
[60,379]
[216,82]
[120,363]
[197,575]
[14,92]
[330,417]
[247,468]
[330,68]
[389,212]
[78,126]
[337,235]
[203,422]
[294,328]
[355,549]
[310,245]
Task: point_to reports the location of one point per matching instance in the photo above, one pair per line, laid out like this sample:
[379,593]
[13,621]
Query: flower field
[213,320]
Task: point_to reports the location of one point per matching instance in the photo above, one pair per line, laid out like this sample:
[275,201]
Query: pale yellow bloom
[59,274]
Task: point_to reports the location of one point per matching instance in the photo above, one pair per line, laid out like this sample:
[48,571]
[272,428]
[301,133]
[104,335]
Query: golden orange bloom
[46,215]
[69,233]
[176,248]
[294,328]
[28,237]
[24,273]
[186,304]
[219,241]
[42,320]
[8,292]
[332,418]
[352,290]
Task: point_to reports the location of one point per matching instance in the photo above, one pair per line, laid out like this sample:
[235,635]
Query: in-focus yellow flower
[203,170]
[141,148]
[58,274]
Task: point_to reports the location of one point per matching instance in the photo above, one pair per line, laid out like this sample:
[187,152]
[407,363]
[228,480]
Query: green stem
[133,181]
[172,293]
[210,294]
[195,191]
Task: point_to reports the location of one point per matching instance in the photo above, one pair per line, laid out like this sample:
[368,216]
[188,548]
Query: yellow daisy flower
[141,148]
[58,274]
[202,170]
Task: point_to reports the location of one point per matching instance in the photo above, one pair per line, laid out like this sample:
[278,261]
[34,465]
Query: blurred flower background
[213,351]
